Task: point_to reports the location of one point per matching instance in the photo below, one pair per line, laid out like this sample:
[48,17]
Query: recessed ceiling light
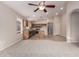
[57,13]
[61,8]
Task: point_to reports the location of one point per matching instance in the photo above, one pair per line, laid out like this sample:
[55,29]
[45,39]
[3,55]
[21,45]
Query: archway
[74,25]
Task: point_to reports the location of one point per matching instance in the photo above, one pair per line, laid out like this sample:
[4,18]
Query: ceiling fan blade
[36,10]
[50,6]
[45,10]
[32,4]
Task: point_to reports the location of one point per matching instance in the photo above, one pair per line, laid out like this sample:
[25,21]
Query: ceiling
[26,10]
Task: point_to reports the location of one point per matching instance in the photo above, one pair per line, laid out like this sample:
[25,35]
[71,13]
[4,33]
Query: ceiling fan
[42,6]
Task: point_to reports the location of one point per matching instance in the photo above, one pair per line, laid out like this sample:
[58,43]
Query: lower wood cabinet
[26,35]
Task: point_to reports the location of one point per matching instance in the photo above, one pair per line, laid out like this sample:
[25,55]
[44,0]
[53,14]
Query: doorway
[50,29]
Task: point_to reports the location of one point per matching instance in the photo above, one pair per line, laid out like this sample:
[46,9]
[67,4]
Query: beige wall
[8,33]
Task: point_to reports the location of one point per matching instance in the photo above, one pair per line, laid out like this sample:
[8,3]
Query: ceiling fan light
[41,7]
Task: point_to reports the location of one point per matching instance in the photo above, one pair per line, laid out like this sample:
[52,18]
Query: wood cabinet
[41,34]
[26,35]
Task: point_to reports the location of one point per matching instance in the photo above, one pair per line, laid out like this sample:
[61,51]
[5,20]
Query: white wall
[63,25]
[71,6]
[8,34]
[56,25]
[74,23]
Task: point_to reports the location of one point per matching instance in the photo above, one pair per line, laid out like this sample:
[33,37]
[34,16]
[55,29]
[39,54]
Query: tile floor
[42,48]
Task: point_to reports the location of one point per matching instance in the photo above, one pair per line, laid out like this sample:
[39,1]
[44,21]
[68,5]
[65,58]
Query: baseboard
[10,44]
[70,41]
[60,35]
